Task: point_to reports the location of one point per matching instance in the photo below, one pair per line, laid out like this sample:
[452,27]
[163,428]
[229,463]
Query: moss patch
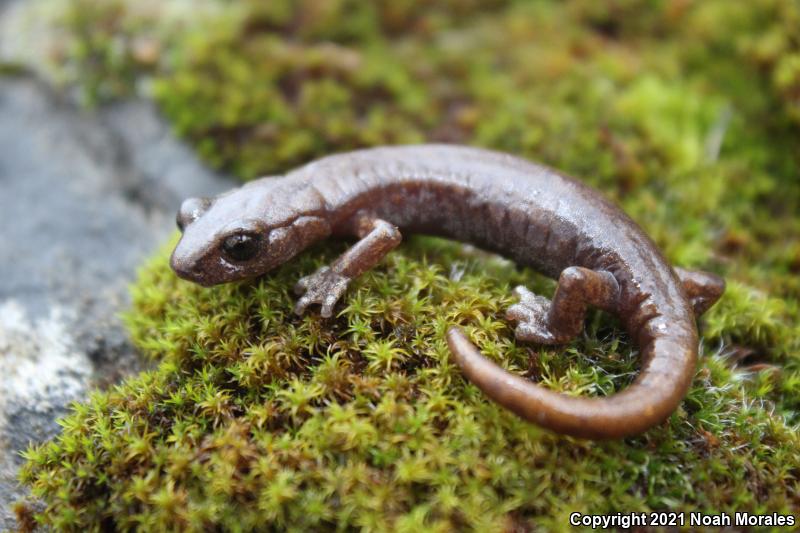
[684,112]
[255,416]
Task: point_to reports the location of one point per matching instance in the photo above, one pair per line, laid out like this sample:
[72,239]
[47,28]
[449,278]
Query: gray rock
[84,198]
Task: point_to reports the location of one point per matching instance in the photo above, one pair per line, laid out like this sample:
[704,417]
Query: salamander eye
[241,247]
[191,209]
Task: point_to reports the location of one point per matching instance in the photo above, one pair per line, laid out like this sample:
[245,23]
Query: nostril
[185,272]
[180,266]
[180,269]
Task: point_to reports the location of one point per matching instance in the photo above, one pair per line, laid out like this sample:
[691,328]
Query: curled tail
[667,371]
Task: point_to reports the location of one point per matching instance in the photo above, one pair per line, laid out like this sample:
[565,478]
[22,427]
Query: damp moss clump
[256,417]
[684,112]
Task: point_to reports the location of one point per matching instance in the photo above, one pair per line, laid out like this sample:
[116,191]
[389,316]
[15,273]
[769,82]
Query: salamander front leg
[555,322]
[328,284]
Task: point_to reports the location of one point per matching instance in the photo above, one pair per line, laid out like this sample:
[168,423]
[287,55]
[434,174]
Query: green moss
[685,112]
[254,416]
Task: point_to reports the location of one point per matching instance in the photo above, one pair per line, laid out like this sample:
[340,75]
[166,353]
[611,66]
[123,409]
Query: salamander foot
[323,287]
[531,315]
[559,320]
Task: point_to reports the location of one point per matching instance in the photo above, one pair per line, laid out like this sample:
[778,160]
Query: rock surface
[84,197]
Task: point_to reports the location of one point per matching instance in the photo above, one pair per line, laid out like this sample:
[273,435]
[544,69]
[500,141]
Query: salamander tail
[663,381]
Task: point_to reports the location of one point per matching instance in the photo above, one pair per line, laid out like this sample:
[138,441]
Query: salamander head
[243,233]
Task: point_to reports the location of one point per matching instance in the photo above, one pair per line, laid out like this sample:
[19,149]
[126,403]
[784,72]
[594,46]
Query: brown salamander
[498,202]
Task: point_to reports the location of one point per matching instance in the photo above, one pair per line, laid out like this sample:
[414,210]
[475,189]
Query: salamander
[528,212]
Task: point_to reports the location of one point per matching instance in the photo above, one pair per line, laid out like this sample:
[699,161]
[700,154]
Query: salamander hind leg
[559,320]
[531,315]
[702,288]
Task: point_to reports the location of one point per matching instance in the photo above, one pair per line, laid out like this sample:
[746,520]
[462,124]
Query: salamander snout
[192,268]
[184,266]
[191,209]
